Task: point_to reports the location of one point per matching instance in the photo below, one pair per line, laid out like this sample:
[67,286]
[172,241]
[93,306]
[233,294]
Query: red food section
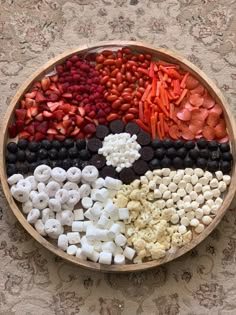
[160,97]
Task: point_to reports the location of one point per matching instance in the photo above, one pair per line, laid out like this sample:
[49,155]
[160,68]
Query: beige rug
[35,282]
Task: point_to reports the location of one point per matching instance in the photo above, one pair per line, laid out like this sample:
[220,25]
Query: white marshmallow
[73,237]
[71,250]
[86,202]
[119,259]
[62,242]
[105,258]
[78,226]
[78,214]
[123,213]
[200,228]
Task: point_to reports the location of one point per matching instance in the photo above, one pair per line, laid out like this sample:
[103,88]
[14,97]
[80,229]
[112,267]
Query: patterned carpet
[32,280]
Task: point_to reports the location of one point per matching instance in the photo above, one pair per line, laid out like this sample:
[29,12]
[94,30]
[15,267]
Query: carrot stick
[159,130]
[155,67]
[153,127]
[161,105]
[183,82]
[164,97]
[151,71]
[184,92]
[140,109]
[158,88]
[173,74]
[162,68]
[165,78]
[171,110]
[162,124]
[142,125]
[146,92]
[166,128]
[166,64]
[176,86]
[154,86]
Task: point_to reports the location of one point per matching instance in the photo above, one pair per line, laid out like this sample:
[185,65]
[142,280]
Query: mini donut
[25,184]
[52,187]
[14,179]
[62,195]
[84,190]
[58,174]
[42,173]
[39,227]
[70,186]
[74,174]
[41,187]
[53,228]
[32,194]
[27,206]
[54,204]
[20,194]
[33,216]
[33,182]
[40,201]
[90,173]
[74,197]
[46,214]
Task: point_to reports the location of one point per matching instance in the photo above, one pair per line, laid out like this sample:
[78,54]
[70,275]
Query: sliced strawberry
[43,127]
[55,88]
[66,117]
[79,120]
[45,83]
[30,129]
[58,114]
[39,117]
[23,135]
[73,109]
[75,132]
[50,137]
[67,95]
[37,85]
[60,128]
[65,107]
[20,113]
[69,130]
[31,138]
[12,131]
[52,131]
[28,120]
[40,97]
[54,97]
[31,94]
[29,102]
[20,124]
[54,78]
[22,104]
[39,136]
[33,111]
[47,114]
[67,123]
[60,137]
[81,135]
[81,111]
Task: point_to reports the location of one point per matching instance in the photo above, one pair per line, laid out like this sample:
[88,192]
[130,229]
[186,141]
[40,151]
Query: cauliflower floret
[134,205]
[150,196]
[121,201]
[157,250]
[139,244]
[135,194]
[150,235]
[160,229]
[130,230]
[176,240]
[166,214]
[187,237]
[135,184]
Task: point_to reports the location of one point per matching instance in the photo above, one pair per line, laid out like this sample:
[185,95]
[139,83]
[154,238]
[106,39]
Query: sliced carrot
[208,133]
[195,129]
[216,109]
[220,131]
[187,134]
[199,114]
[191,82]
[198,123]
[183,94]
[184,114]
[198,90]
[183,82]
[176,86]
[163,68]
[159,130]
[212,119]
[196,100]
[208,102]
[161,105]
[174,132]
[225,139]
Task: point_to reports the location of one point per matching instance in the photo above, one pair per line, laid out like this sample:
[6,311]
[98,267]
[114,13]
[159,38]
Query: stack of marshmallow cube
[95,230]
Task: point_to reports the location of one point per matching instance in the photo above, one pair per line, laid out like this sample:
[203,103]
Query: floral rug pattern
[34,281]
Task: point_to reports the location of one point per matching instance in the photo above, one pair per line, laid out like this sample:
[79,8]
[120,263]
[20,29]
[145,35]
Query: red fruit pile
[68,104]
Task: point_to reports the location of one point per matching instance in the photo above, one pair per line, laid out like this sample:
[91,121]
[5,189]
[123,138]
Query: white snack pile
[165,206]
[58,203]
[120,150]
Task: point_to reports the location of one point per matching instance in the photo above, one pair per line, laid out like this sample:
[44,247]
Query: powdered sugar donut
[70,186]
[42,173]
[62,195]
[32,181]
[20,194]
[89,173]
[54,204]
[14,179]
[58,174]
[40,201]
[74,197]
[25,184]
[84,190]
[74,174]
[53,228]
[33,216]
[52,187]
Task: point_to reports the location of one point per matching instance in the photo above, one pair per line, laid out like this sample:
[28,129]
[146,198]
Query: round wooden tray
[165,55]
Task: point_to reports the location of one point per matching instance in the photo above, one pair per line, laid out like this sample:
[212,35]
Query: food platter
[187,109]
